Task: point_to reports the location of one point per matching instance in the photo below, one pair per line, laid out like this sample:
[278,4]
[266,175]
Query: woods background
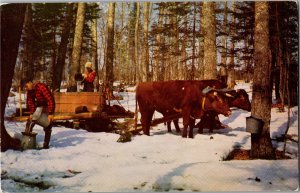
[133,42]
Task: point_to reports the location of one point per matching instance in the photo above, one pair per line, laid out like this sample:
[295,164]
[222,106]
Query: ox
[213,83]
[239,99]
[184,96]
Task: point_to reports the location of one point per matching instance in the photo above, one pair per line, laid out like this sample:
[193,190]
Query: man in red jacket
[39,95]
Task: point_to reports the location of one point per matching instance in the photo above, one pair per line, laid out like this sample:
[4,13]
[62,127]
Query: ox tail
[136,112]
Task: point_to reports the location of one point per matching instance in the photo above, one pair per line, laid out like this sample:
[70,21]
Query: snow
[81,161]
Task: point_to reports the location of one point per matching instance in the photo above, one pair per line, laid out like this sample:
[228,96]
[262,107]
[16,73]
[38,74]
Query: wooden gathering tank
[88,110]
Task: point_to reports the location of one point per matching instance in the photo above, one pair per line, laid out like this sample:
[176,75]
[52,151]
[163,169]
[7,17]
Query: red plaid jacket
[40,96]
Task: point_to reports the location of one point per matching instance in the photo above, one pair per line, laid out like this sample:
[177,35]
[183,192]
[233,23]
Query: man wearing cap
[39,95]
[88,78]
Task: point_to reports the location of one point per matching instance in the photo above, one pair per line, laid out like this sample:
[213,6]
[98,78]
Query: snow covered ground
[79,161]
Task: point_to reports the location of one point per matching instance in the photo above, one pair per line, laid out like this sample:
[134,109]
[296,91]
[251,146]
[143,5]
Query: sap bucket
[28,140]
[40,117]
[254,125]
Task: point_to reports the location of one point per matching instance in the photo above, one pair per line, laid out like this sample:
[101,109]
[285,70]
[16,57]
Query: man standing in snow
[39,95]
[88,78]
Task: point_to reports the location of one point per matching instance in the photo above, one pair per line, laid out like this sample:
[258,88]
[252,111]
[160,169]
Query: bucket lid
[30,134]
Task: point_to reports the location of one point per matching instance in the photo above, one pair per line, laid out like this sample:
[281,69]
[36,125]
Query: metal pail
[28,140]
[254,125]
[40,117]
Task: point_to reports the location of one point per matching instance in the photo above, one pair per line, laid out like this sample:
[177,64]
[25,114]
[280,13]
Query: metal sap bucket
[254,125]
[28,140]
[40,117]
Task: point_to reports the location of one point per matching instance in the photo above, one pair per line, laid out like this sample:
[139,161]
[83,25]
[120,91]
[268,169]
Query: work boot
[47,138]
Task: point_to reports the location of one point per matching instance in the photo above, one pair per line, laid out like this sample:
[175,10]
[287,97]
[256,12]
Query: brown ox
[213,83]
[178,95]
[239,99]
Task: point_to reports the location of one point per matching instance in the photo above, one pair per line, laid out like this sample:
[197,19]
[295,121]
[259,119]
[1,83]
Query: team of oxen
[204,100]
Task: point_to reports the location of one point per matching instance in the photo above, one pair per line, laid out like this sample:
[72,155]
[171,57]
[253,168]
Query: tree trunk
[183,65]
[145,63]
[136,36]
[50,72]
[77,45]
[12,18]
[94,50]
[261,146]
[231,74]
[131,43]
[62,50]
[201,46]
[158,62]
[27,58]
[279,59]
[209,33]
[192,75]
[176,48]
[110,45]
[223,68]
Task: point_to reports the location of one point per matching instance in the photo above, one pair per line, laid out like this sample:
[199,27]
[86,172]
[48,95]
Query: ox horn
[229,95]
[207,90]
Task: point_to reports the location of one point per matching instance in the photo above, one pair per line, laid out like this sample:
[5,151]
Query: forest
[249,47]
[133,42]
